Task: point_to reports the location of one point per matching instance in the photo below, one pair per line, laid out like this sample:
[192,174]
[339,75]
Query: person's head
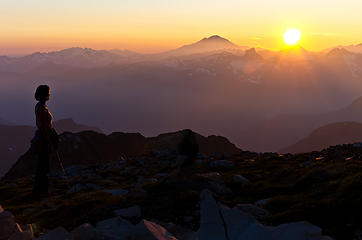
[42,93]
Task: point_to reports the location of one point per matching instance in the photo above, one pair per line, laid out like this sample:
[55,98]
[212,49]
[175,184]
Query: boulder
[242,226]
[240,179]
[58,233]
[150,231]
[298,231]
[219,222]
[114,228]
[131,212]
[211,224]
[256,212]
[86,232]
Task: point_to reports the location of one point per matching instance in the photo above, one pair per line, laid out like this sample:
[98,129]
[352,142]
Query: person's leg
[44,170]
[41,177]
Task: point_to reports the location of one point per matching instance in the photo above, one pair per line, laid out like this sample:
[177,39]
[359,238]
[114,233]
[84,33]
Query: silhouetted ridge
[338,52]
[91,148]
[251,54]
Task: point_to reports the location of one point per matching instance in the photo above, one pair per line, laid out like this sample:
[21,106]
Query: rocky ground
[243,196]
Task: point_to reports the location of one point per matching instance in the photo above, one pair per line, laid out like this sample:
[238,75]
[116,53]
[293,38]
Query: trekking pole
[60,162]
[62,167]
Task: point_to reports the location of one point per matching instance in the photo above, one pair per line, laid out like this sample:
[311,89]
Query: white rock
[131,212]
[211,224]
[151,231]
[114,228]
[86,232]
[116,192]
[255,211]
[240,179]
[298,231]
[242,226]
[225,223]
[58,233]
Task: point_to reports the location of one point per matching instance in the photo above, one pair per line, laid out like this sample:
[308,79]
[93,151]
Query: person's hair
[42,92]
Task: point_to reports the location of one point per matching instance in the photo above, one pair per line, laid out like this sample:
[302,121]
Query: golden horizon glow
[292,36]
[149,26]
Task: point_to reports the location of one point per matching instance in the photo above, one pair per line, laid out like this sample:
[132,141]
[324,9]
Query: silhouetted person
[43,140]
[189,148]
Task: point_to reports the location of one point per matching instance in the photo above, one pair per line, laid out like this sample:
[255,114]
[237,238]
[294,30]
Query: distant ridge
[328,135]
[251,54]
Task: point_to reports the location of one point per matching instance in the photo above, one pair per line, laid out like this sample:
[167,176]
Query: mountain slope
[329,135]
[278,132]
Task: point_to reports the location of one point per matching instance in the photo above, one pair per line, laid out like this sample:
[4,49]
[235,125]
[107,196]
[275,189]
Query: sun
[292,36]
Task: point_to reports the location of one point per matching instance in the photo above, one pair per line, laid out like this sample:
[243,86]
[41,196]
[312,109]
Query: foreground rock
[9,229]
[151,231]
[119,229]
[86,232]
[222,223]
[58,233]
[131,212]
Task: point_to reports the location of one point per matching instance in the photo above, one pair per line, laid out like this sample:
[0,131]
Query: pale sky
[156,25]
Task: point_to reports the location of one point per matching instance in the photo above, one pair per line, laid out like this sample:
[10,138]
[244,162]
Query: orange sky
[157,25]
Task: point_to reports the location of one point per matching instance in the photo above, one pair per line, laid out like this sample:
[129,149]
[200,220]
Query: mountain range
[212,86]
